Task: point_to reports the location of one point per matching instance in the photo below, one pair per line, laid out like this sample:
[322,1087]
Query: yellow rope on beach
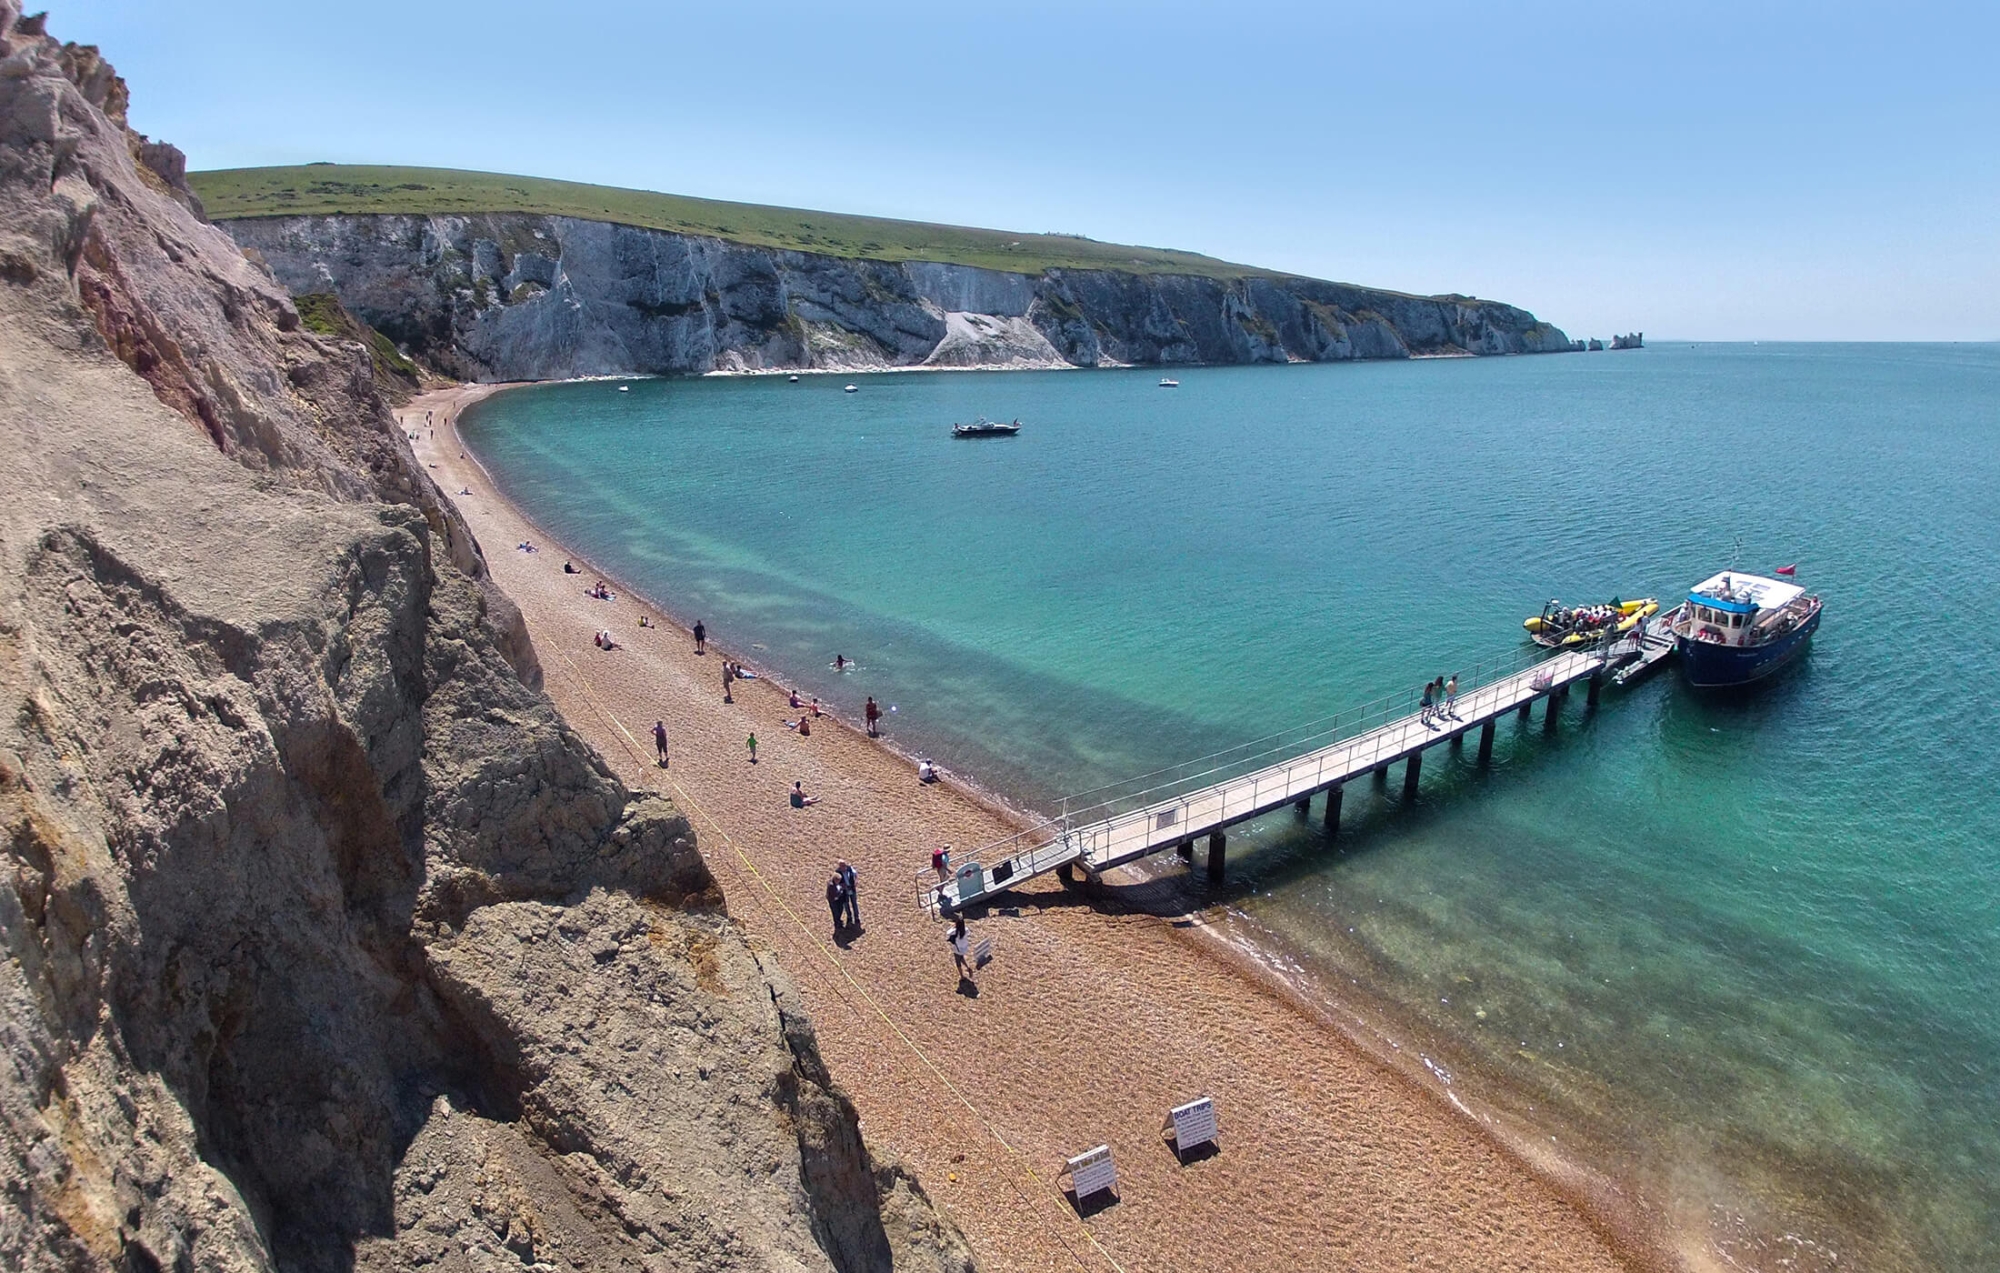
[639,755]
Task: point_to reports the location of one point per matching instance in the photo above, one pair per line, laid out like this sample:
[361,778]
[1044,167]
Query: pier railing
[1089,822]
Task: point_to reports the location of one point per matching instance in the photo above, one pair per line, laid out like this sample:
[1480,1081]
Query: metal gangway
[1172,808]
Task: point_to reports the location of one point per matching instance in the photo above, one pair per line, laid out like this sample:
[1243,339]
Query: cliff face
[323,941]
[517,296]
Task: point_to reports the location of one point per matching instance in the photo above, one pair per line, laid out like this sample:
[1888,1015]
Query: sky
[1740,171]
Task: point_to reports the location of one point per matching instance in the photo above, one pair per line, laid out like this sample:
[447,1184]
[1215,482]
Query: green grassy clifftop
[321,189]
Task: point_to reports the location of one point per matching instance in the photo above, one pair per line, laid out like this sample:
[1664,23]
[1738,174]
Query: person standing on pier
[1424,716]
[1451,697]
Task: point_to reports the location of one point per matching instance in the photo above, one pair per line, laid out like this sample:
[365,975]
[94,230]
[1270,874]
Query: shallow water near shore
[1739,952]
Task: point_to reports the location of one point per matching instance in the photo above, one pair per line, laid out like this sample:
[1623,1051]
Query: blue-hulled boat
[1738,628]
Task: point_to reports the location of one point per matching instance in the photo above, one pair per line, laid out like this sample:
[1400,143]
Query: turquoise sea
[1743,954]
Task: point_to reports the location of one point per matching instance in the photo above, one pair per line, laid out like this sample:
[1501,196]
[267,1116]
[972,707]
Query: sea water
[1738,952]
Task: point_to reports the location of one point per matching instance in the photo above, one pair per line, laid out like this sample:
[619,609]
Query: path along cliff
[520,296]
[324,942]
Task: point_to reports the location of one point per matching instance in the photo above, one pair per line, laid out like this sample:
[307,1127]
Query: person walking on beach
[1451,697]
[941,861]
[836,900]
[961,949]
[753,749]
[850,886]
[700,638]
[874,715]
[728,678]
[660,740]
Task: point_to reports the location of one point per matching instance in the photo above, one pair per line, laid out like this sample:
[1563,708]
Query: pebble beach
[1095,1016]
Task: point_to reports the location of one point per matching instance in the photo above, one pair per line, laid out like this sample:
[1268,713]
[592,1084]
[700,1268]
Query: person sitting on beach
[525,546]
[465,490]
[817,713]
[604,640]
[803,724]
[795,700]
[800,799]
[927,772]
[569,568]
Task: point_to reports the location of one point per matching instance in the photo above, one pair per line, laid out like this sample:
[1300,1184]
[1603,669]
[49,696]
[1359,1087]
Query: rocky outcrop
[324,942]
[518,296]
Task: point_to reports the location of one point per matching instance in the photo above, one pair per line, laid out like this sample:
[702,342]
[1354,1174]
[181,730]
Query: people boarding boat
[1736,628]
[984,428]
[1561,627]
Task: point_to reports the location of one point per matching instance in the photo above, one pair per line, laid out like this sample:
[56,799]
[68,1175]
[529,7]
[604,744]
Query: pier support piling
[1218,847]
[1186,850]
[1549,716]
[1526,708]
[1304,806]
[1486,743]
[1411,768]
[1382,773]
[1333,795]
[1596,684]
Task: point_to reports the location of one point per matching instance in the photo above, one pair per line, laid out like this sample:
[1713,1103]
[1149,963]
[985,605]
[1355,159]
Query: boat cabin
[1734,609]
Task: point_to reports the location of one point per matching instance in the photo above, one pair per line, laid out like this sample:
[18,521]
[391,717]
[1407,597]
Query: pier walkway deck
[1234,787]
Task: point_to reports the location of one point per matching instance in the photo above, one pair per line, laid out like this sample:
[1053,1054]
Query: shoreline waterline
[1229,939]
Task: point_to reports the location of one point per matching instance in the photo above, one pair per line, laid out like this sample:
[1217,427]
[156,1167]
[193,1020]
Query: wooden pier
[1164,818]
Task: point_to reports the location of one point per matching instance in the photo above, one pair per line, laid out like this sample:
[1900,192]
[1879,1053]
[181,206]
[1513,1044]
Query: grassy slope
[355,188]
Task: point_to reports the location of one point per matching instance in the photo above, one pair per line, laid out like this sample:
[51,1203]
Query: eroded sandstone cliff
[326,942]
[519,296]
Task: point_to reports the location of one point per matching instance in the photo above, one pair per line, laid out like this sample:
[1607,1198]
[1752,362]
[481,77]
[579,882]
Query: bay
[1738,952]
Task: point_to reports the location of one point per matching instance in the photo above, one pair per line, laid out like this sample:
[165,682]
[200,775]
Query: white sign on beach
[1194,1123]
[1092,1172]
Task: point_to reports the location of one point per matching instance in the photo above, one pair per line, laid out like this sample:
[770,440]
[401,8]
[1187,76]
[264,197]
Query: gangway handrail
[1298,739]
[1292,769]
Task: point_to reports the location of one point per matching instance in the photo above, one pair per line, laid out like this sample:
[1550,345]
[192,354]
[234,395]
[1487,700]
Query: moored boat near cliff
[1738,628]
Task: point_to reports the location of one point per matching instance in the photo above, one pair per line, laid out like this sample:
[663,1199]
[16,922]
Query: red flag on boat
[1787,570]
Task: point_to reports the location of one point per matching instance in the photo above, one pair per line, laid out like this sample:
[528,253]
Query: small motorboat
[1168,382]
[1561,627]
[624,388]
[984,428]
[852,389]
[792,379]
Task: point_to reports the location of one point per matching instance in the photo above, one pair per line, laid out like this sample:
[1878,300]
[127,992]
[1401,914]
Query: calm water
[1753,942]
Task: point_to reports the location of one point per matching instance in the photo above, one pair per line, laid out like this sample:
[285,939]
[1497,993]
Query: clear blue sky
[1712,171]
